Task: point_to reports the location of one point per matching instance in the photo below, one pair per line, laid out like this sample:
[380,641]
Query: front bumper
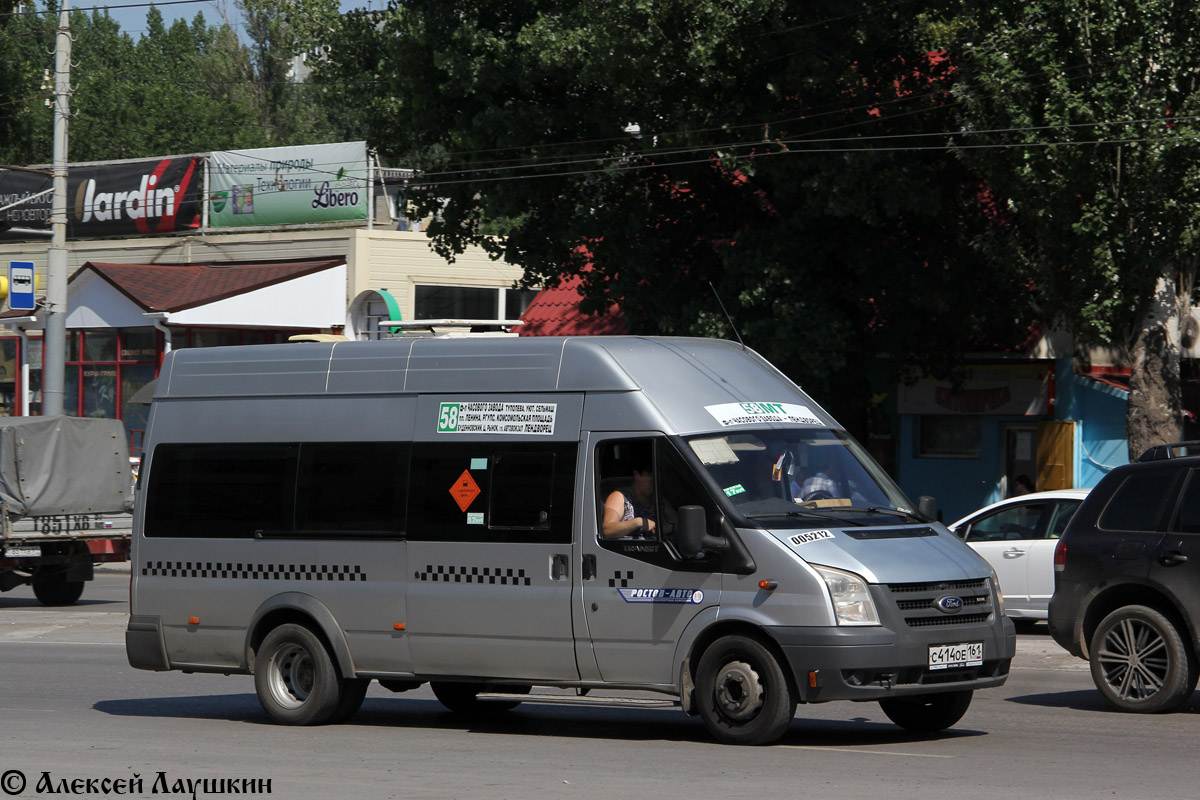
[891,660]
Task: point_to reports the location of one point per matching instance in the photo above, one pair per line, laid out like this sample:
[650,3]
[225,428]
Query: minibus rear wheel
[463,698]
[295,677]
[742,692]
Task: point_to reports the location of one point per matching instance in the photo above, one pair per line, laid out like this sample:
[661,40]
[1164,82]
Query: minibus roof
[682,377]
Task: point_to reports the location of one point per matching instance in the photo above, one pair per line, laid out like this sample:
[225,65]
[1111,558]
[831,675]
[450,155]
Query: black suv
[1127,580]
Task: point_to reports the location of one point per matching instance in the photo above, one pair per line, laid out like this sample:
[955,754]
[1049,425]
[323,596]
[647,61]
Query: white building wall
[375,259]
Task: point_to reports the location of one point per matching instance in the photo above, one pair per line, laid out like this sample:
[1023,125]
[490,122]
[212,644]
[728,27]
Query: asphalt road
[72,709]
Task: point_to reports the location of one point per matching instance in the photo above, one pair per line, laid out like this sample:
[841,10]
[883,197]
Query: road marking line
[863,751]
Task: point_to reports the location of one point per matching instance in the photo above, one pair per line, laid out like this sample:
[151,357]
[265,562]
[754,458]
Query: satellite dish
[1189,332]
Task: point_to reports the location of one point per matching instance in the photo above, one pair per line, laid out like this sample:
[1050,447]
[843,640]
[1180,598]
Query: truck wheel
[742,693]
[57,592]
[295,678]
[1140,663]
[463,698]
[927,713]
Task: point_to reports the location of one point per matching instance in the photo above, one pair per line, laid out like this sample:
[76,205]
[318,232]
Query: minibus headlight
[852,603]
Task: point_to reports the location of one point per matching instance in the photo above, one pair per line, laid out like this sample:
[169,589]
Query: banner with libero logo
[288,185]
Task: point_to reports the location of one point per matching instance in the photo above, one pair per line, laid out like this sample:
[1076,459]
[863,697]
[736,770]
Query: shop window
[8,377]
[455,302]
[215,338]
[100,345]
[949,436]
[133,378]
[516,301]
[100,391]
[139,344]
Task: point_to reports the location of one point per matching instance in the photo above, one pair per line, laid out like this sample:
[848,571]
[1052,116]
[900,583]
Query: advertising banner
[288,185]
[137,198]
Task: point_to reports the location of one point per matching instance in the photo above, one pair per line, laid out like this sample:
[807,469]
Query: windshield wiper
[810,514]
[891,512]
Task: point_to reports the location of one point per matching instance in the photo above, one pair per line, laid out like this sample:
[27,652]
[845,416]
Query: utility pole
[55,335]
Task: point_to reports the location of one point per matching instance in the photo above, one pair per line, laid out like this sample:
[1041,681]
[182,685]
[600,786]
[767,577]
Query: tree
[24,38]
[1097,103]
[182,88]
[658,146]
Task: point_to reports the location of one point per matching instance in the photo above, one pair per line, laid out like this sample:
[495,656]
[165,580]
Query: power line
[104,8]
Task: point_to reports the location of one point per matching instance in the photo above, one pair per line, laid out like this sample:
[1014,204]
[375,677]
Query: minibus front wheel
[742,692]
[927,713]
[295,677]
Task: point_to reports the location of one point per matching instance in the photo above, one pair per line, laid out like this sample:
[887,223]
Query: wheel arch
[299,609]
[707,629]
[1110,598]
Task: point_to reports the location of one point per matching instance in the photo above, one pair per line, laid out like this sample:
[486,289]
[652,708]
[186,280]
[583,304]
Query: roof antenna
[726,313]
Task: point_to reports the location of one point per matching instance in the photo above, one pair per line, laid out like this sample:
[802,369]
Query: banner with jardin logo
[288,185]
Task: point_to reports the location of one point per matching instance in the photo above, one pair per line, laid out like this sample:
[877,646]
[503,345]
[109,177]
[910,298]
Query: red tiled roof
[175,287]
[555,312]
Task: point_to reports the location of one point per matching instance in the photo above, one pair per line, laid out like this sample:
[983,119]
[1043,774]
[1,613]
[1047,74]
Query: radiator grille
[917,602]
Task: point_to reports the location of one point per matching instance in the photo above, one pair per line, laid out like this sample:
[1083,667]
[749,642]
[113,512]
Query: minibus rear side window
[221,491]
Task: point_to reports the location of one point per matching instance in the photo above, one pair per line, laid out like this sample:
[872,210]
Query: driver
[819,486]
[629,512]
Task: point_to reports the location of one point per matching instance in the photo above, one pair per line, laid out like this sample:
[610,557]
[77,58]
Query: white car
[1017,537]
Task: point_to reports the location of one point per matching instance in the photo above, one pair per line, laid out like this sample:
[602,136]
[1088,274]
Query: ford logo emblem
[949,604]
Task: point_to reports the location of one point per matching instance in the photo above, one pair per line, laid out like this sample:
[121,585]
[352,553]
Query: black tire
[926,713]
[354,691]
[463,698]
[295,677]
[1140,663]
[57,592]
[742,693]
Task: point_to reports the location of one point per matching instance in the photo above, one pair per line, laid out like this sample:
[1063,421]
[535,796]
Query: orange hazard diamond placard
[465,490]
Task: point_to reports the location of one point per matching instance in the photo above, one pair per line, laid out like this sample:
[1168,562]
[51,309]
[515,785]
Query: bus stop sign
[20,286]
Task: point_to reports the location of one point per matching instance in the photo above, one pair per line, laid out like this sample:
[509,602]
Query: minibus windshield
[810,476]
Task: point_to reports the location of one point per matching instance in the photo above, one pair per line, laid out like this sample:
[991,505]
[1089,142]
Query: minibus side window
[352,487]
[522,491]
[678,486]
[646,479]
[492,492]
[222,491]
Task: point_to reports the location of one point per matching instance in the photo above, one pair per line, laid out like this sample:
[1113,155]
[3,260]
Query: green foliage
[177,89]
[1102,177]
[670,144]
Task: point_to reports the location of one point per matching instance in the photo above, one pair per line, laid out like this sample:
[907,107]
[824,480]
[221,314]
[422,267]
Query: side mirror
[927,507]
[691,537]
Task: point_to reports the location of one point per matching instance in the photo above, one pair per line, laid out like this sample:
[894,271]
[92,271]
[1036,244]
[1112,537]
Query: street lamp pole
[53,366]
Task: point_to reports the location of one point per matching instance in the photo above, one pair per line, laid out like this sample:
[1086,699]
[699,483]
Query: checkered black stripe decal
[617,580]
[263,572]
[501,575]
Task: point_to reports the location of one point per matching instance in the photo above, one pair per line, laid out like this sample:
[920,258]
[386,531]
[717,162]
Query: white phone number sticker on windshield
[756,413]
